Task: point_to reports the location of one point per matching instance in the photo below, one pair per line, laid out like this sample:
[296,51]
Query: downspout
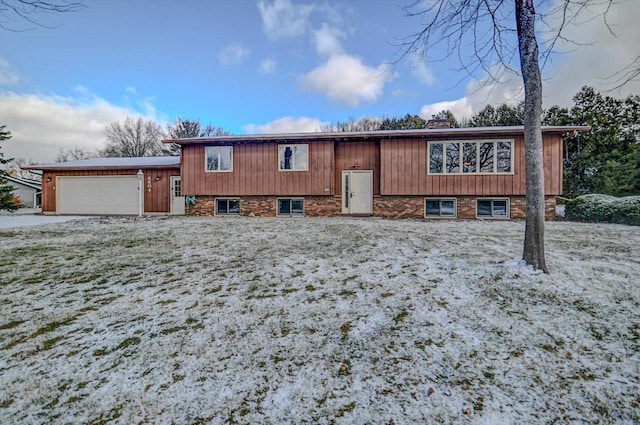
[140,175]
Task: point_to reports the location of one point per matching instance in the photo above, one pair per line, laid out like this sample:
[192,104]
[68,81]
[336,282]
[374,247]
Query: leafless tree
[17,168]
[484,37]
[132,138]
[211,131]
[15,13]
[364,124]
[184,128]
[75,154]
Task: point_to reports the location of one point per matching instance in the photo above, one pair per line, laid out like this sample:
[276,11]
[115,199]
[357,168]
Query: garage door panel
[117,195]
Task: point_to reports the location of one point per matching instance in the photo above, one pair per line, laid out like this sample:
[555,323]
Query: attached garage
[100,195]
[109,186]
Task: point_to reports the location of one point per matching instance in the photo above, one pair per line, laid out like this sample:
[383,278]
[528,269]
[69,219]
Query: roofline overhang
[436,133]
[102,167]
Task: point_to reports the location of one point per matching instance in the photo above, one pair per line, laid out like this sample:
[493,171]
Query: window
[228,206]
[440,208]
[470,157]
[219,158]
[292,206]
[177,188]
[492,208]
[293,157]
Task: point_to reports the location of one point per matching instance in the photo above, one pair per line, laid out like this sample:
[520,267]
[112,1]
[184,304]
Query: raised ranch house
[434,173]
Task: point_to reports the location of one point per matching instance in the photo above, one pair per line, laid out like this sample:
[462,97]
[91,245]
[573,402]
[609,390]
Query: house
[440,172]
[29,192]
[111,186]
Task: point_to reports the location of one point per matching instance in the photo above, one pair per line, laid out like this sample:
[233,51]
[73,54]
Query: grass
[319,321]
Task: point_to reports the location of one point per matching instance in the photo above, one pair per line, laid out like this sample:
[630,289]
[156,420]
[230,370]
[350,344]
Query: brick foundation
[267,206]
[383,206]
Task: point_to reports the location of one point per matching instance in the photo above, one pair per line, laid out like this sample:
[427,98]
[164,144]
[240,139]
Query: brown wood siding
[157,200]
[404,172]
[364,153]
[255,172]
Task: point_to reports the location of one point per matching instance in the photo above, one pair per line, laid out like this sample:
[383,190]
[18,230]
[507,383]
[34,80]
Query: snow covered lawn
[348,321]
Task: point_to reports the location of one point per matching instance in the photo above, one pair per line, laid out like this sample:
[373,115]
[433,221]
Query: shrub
[604,208]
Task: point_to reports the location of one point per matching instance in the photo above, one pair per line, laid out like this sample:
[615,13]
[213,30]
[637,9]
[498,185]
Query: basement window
[440,208]
[227,206]
[492,208]
[291,206]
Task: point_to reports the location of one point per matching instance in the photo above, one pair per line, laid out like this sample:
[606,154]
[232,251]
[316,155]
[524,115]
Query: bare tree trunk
[534,229]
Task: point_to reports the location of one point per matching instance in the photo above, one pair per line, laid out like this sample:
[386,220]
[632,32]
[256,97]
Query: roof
[113,163]
[34,184]
[433,133]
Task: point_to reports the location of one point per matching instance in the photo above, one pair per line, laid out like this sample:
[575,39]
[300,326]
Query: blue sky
[250,67]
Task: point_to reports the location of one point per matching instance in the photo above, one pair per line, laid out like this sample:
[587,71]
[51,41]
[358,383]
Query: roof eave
[387,134]
[103,167]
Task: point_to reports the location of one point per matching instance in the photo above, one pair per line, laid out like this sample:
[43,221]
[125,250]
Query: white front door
[177,200]
[357,192]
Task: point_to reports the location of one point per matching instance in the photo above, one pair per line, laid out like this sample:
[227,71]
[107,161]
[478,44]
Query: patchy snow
[348,321]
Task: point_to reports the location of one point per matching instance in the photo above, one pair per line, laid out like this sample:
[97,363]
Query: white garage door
[97,195]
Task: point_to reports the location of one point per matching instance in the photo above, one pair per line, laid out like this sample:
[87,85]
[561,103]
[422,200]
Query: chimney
[431,124]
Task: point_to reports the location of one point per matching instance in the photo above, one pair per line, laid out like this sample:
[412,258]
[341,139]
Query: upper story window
[471,157]
[218,158]
[293,157]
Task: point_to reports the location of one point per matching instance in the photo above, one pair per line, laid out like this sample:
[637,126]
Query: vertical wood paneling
[255,172]
[347,154]
[404,171]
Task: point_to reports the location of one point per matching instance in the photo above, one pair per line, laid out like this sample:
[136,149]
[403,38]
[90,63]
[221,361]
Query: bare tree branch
[16,12]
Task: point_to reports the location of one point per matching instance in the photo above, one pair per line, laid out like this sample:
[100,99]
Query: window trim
[455,208]
[290,200]
[461,143]
[206,157]
[226,198]
[494,217]
[284,145]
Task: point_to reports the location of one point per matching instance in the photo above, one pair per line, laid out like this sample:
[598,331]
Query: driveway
[29,217]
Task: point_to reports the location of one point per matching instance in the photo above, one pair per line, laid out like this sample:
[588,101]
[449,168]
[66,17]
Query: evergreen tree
[6,191]
[607,158]
[447,115]
[504,115]
[408,122]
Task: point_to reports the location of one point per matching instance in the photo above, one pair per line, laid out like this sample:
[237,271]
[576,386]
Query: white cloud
[327,40]
[460,108]
[267,66]
[285,125]
[7,76]
[344,78]
[283,19]
[41,125]
[601,56]
[233,54]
